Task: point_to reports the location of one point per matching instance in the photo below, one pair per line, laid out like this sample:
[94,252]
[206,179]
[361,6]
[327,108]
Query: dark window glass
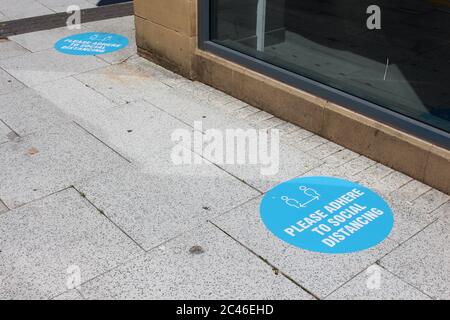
[395,53]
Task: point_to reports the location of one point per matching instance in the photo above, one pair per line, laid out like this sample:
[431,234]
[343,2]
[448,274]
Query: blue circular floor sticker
[91,43]
[327,215]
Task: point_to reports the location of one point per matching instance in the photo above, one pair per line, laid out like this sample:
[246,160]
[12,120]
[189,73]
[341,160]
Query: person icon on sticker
[310,192]
[291,202]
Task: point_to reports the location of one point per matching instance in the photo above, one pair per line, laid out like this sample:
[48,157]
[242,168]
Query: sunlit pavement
[93,207]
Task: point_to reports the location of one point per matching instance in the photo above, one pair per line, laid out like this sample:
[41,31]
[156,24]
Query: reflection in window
[394,53]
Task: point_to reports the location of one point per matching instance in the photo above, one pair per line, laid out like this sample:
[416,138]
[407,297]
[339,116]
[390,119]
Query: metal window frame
[364,107]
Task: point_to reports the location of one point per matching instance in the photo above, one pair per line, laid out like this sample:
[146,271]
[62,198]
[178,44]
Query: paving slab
[413,216]
[51,160]
[115,25]
[423,261]
[205,264]
[390,183]
[376,283]
[292,161]
[123,83]
[62,5]
[292,164]
[52,103]
[45,39]
[8,83]
[10,49]
[26,112]
[138,130]
[48,65]
[411,191]
[25,9]
[158,206]
[47,242]
[321,274]
[74,99]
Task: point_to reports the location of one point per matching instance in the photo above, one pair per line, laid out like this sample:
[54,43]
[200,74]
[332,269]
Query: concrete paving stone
[62,5]
[8,83]
[348,170]
[325,150]
[430,201]
[115,25]
[25,111]
[423,261]
[288,128]
[139,131]
[288,163]
[297,136]
[235,105]
[26,9]
[10,49]
[123,83]
[74,98]
[340,158]
[321,274]
[158,205]
[69,295]
[48,161]
[411,191]
[190,110]
[390,183]
[408,218]
[365,286]
[204,264]
[155,71]
[258,117]
[270,123]
[310,143]
[413,216]
[46,242]
[45,39]
[443,211]
[202,92]
[45,66]
[373,174]
[245,112]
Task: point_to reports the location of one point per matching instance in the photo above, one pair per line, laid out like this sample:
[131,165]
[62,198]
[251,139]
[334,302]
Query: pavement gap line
[146,252]
[266,261]
[400,244]
[102,212]
[40,198]
[214,164]
[105,144]
[410,284]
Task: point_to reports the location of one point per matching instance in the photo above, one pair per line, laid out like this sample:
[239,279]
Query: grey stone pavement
[90,196]
[20,9]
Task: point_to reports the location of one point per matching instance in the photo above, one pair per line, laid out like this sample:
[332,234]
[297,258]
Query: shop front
[373,76]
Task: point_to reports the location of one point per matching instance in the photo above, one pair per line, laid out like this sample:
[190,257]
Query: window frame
[364,107]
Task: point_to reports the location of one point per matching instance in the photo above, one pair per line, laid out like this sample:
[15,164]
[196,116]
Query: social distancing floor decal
[91,43]
[327,215]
